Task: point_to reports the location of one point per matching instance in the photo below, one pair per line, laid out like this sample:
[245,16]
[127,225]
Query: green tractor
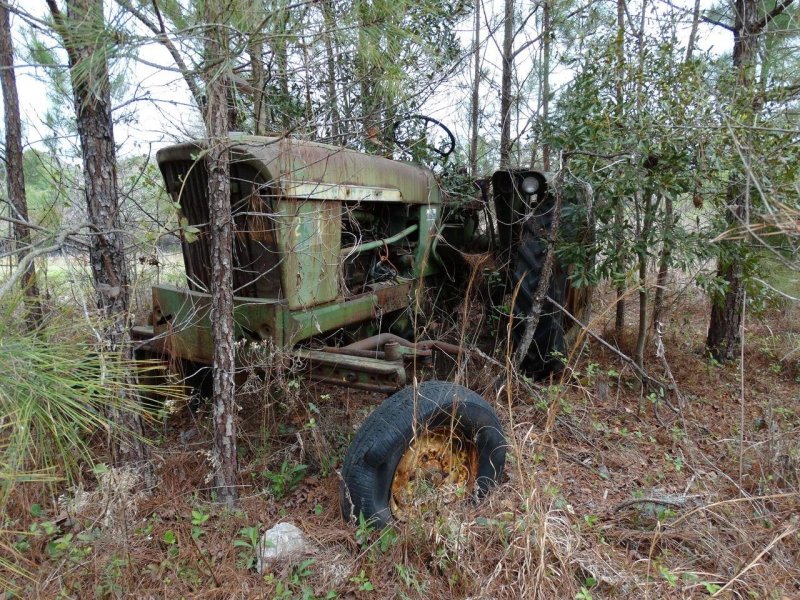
[332,241]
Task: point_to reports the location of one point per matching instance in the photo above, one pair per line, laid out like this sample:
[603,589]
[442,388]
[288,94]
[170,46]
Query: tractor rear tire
[372,461]
[548,346]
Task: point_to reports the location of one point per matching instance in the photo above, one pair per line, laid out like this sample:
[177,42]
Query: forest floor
[609,492]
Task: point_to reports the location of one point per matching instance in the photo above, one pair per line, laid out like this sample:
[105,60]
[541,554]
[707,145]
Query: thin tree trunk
[650,208]
[546,27]
[476,85]
[330,61]
[257,60]
[505,85]
[724,331]
[92,100]
[663,261]
[619,210]
[279,50]
[309,108]
[221,222]
[371,99]
[693,32]
[15,177]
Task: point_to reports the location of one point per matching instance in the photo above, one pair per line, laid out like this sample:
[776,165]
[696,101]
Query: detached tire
[391,435]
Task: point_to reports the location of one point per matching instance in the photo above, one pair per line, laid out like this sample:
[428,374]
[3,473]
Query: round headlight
[530,185]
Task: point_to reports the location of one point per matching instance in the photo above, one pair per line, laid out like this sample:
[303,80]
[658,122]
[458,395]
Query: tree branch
[525,45]
[63,31]
[625,358]
[25,261]
[711,21]
[777,11]
[163,39]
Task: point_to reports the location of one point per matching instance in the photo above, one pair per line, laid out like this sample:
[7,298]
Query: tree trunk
[91,90]
[724,330]
[505,85]
[650,209]
[280,51]
[329,23]
[619,210]
[310,125]
[15,177]
[475,101]
[221,222]
[546,32]
[256,49]
[370,100]
[663,262]
[693,32]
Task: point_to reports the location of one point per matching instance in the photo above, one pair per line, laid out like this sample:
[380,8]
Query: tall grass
[56,390]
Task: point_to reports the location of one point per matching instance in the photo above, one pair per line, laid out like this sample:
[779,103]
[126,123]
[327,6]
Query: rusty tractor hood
[312,170]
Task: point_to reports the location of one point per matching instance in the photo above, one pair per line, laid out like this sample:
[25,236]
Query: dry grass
[609,493]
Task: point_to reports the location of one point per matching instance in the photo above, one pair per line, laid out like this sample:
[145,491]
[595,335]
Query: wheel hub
[438,466]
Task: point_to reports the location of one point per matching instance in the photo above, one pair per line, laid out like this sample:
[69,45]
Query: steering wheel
[418,124]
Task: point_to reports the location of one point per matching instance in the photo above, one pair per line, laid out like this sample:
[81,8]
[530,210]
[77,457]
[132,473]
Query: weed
[675,461]
[286,479]
[363,530]
[110,584]
[408,577]
[668,576]
[362,582]
[583,594]
[387,539]
[248,540]
[198,520]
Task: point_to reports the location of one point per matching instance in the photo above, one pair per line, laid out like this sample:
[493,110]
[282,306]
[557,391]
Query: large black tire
[548,346]
[372,459]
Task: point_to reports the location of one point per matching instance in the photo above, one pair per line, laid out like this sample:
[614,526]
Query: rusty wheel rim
[438,467]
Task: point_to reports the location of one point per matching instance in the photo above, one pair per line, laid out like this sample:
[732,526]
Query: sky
[161,112]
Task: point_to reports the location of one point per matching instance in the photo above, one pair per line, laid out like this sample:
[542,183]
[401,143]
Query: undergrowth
[611,490]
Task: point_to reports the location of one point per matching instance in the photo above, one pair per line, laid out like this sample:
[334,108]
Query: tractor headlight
[530,185]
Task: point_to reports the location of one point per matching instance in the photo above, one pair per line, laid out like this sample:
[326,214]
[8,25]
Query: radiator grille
[256,259]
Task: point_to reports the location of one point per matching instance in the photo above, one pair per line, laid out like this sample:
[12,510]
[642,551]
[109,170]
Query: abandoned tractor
[333,244]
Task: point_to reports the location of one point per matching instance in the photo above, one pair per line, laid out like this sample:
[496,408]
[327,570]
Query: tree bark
[693,33]
[505,85]
[15,176]
[663,261]
[256,49]
[92,100]
[619,210]
[329,23]
[651,202]
[370,99]
[221,222]
[546,32]
[476,85]
[724,330]
[279,45]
